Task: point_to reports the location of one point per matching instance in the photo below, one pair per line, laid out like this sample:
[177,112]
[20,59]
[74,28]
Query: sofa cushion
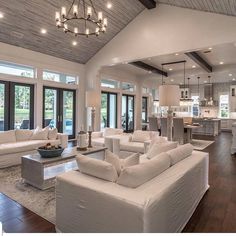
[8,136]
[130,161]
[180,153]
[111,131]
[40,134]
[96,168]
[132,147]
[23,134]
[158,148]
[137,175]
[52,133]
[30,145]
[141,136]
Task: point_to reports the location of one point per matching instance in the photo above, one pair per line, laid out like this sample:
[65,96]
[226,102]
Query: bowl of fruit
[50,151]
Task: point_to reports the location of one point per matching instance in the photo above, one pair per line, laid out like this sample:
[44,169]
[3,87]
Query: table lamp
[169,95]
[92,101]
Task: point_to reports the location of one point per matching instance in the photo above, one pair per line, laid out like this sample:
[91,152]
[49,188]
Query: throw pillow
[97,168]
[141,136]
[180,153]
[114,160]
[130,161]
[137,175]
[23,135]
[40,134]
[7,137]
[158,148]
[52,134]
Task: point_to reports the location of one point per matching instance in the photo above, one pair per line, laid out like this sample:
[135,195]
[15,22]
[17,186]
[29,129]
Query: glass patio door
[128,113]
[59,110]
[109,110]
[2,106]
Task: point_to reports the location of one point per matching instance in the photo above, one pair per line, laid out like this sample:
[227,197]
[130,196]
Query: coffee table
[41,172]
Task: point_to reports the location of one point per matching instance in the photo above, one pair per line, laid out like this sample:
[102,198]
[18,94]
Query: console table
[41,172]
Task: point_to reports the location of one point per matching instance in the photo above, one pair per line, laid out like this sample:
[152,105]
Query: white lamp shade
[169,95]
[93,99]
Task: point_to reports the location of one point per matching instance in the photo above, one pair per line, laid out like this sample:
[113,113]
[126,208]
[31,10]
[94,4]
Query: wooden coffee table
[41,172]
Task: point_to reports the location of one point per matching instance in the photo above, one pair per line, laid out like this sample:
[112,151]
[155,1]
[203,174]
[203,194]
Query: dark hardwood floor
[215,213]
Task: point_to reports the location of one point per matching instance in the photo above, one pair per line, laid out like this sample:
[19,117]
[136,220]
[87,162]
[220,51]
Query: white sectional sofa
[163,204]
[16,143]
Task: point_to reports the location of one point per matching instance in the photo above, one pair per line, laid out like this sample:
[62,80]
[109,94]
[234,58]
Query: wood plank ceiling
[23,20]
[226,7]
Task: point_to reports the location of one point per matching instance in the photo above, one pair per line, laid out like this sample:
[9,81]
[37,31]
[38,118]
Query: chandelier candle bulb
[63,11]
[75,10]
[105,22]
[57,16]
[100,16]
[87,31]
[76,30]
[89,11]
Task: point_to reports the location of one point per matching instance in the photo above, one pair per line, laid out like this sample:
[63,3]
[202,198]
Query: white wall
[162,31]
[41,61]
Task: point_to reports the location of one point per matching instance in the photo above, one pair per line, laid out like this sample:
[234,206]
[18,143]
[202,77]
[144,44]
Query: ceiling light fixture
[230,75]
[209,48]
[233,79]
[193,66]
[176,54]
[74,43]
[221,63]
[1,15]
[170,69]
[81,19]
[43,31]
[172,80]
[109,5]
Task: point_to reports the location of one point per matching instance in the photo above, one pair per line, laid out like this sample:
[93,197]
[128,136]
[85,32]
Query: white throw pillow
[158,148]
[120,164]
[52,134]
[111,131]
[8,136]
[114,160]
[96,168]
[137,175]
[180,153]
[40,134]
[141,136]
[157,139]
[23,135]
[130,161]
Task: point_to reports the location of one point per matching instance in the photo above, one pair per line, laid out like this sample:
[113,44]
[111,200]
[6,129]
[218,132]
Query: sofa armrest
[63,139]
[146,145]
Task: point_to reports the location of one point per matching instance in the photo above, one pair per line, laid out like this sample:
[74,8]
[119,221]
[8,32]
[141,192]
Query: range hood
[208,96]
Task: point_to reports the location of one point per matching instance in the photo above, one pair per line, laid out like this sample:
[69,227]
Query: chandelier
[81,19]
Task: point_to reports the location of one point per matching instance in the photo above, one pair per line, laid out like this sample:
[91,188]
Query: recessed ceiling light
[221,63]
[109,5]
[43,31]
[193,66]
[74,43]
[176,54]
[170,69]
[150,72]
[209,48]
[205,81]
[233,79]
[230,75]
[1,15]
[172,80]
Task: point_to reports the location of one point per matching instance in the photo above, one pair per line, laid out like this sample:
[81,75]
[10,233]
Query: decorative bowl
[50,153]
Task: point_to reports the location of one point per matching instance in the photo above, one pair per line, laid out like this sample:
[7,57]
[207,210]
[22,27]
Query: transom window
[59,77]
[106,83]
[16,70]
[128,87]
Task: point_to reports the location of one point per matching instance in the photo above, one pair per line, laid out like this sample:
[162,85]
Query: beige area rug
[201,144]
[40,202]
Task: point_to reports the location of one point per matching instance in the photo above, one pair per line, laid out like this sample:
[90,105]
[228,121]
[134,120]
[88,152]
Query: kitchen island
[209,126]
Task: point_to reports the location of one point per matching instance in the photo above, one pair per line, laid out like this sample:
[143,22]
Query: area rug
[40,202]
[201,144]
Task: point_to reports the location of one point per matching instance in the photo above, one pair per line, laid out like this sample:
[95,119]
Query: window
[16,70]
[127,113]
[224,106]
[128,87]
[59,109]
[145,90]
[144,109]
[109,83]
[108,110]
[16,106]
[58,77]
[195,106]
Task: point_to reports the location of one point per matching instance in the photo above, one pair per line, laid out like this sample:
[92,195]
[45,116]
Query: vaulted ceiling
[226,7]
[23,20]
